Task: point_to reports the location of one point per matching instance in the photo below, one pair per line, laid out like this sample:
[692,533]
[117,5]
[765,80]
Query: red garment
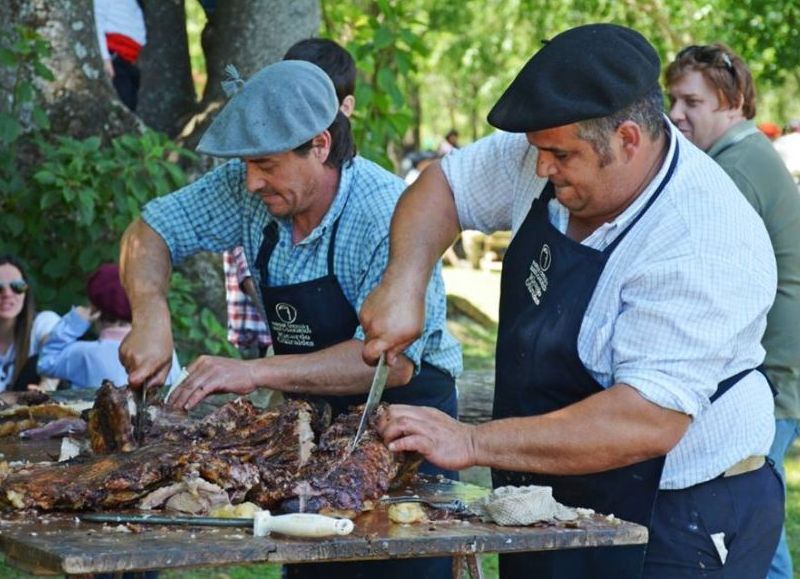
[127,48]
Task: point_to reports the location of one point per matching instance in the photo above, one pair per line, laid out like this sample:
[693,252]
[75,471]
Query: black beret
[583,73]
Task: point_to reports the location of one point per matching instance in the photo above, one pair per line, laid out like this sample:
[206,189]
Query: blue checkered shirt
[216,213]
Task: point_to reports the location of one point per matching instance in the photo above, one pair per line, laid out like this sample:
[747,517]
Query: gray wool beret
[278,109]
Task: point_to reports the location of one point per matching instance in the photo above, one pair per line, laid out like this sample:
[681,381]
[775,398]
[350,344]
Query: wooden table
[57,544]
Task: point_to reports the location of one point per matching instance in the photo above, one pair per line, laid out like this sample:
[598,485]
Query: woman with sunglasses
[22,330]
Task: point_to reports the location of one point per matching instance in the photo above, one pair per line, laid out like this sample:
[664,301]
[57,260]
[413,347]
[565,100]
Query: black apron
[312,315]
[547,283]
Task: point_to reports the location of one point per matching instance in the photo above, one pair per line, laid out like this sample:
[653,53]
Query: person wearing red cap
[85,364]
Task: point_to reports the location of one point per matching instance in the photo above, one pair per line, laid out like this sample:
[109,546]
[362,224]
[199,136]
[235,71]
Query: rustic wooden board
[60,544]
[57,544]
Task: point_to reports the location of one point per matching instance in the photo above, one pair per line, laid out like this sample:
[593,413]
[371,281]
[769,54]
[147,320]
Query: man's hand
[442,440]
[146,352]
[210,374]
[392,317]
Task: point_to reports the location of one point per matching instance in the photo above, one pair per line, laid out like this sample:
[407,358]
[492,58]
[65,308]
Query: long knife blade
[167,520]
[138,429]
[375,393]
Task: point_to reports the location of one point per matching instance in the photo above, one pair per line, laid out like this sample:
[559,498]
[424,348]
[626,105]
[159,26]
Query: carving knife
[375,393]
[262,523]
[138,430]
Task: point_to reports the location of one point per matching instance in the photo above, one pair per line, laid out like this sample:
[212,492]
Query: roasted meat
[267,457]
[337,481]
[110,425]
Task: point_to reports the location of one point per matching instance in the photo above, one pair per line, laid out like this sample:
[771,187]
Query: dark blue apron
[547,283]
[313,315]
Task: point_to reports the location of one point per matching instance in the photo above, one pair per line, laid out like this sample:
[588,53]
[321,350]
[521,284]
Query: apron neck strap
[271,240]
[332,244]
[650,201]
[267,246]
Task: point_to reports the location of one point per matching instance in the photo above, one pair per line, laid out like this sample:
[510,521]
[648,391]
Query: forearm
[337,370]
[614,428]
[424,225]
[145,269]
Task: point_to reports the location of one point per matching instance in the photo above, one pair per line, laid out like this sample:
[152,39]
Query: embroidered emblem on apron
[536,281]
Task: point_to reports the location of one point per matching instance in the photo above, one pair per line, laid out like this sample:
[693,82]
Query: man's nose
[545,166]
[253,180]
[676,112]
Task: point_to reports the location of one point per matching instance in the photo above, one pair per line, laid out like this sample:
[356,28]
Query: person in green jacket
[713,102]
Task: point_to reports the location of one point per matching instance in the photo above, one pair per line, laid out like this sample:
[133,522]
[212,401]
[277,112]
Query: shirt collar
[115,333]
[732,136]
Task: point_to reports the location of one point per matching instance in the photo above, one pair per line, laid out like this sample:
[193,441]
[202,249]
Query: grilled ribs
[267,457]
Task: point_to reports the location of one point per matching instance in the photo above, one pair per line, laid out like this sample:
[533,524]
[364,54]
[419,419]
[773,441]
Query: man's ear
[630,135]
[348,105]
[321,146]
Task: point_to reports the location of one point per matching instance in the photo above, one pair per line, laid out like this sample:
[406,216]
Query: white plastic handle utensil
[300,525]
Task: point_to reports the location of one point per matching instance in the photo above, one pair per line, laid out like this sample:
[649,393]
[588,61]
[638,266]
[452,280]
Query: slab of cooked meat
[110,422]
[337,481]
[268,457]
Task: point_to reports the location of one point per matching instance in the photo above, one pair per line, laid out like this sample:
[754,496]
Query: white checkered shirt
[681,304]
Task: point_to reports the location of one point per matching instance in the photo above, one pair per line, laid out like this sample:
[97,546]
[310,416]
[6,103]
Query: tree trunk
[253,33]
[80,102]
[475,396]
[249,34]
[167,97]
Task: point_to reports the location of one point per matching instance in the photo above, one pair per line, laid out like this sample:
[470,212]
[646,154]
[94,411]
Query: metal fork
[452,505]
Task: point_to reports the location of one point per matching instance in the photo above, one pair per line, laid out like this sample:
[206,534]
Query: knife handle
[300,525]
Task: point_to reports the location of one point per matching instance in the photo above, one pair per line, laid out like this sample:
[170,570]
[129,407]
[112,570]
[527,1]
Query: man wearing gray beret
[313,218]
[634,296]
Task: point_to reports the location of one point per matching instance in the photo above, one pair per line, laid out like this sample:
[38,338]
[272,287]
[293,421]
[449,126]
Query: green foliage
[64,202]
[385,38]
[196,330]
[476,47]
[73,206]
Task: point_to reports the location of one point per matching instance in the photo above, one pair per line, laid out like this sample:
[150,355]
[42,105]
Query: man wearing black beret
[634,297]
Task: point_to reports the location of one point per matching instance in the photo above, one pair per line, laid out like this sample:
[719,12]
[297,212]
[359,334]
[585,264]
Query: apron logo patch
[286,331]
[286,312]
[536,282]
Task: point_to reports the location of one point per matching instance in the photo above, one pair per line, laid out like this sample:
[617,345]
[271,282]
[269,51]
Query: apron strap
[728,383]
[267,247]
[271,240]
[650,201]
[332,244]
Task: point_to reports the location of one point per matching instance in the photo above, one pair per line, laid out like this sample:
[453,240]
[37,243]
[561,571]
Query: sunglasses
[17,286]
[709,55]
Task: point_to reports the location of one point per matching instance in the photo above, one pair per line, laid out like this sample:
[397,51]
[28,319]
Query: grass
[477,341]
